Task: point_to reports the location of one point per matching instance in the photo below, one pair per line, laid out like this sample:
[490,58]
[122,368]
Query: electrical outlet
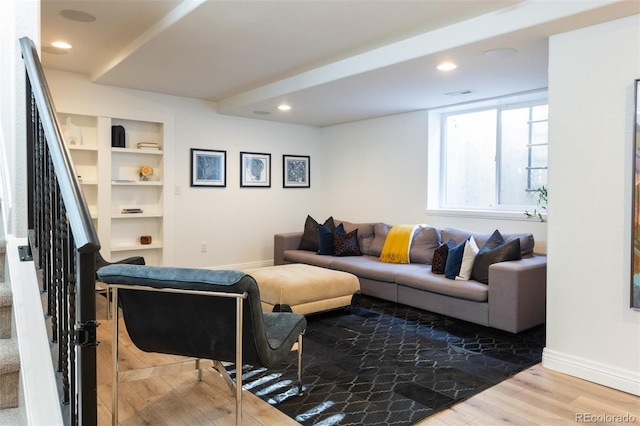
[203,247]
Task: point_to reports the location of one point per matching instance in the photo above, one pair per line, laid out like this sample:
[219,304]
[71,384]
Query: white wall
[236,223]
[18,18]
[378,173]
[591,331]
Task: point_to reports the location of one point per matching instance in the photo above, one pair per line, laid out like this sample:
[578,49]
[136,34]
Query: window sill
[482,214]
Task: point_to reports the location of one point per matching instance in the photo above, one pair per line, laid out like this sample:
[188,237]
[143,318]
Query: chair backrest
[186,324]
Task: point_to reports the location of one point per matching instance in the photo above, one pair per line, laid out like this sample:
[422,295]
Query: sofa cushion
[367,267]
[365,233]
[309,257]
[426,240]
[346,244]
[489,255]
[380,231]
[526,243]
[454,259]
[439,259]
[309,239]
[422,279]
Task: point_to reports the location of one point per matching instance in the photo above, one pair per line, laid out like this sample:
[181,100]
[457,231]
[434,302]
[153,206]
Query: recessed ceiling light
[447,66]
[501,52]
[284,107]
[54,50]
[61,45]
[77,15]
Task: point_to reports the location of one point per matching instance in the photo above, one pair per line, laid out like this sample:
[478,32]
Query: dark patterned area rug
[385,364]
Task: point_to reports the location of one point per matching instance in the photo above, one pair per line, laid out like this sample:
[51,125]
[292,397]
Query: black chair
[203,314]
[101,262]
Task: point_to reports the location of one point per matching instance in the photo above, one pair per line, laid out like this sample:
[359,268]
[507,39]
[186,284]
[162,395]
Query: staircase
[10,414]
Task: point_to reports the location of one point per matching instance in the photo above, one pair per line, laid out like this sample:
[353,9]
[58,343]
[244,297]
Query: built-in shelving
[110,180]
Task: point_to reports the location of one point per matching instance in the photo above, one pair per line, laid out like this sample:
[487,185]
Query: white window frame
[435,152]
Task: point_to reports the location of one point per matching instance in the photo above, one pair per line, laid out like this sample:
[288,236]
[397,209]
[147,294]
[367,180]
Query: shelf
[136,182]
[133,247]
[134,215]
[110,180]
[137,151]
[82,148]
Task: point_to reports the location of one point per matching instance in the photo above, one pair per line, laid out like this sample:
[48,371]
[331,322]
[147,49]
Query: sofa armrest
[282,242]
[518,293]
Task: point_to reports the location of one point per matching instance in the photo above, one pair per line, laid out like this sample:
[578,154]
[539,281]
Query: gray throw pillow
[502,253]
[309,239]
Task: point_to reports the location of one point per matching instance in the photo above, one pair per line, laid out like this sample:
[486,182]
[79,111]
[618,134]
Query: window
[491,157]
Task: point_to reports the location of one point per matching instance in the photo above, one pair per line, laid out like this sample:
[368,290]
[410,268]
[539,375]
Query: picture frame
[635,201]
[296,171]
[208,168]
[255,170]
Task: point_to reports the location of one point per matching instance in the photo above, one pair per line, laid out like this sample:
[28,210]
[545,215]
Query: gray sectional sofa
[513,300]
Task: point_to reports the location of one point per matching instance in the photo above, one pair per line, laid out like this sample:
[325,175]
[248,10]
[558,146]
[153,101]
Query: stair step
[9,373]
[12,416]
[6,300]
[3,251]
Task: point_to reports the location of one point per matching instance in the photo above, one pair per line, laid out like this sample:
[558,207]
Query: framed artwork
[296,171]
[635,239]
[208,167]
[255,170]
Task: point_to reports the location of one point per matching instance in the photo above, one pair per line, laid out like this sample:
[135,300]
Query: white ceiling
[333,61]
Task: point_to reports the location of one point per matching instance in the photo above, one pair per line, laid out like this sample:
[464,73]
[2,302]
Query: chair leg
[199,368]
[114,359]
[300,364]
[225,375]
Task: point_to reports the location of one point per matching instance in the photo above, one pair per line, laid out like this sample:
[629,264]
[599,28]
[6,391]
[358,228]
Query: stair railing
[63,242]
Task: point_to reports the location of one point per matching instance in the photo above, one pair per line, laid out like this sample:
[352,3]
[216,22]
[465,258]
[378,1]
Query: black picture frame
[255,170]
[635,226]
[208,168]
[296,171]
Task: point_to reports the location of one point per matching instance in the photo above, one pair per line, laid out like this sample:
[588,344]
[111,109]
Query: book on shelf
[130,211]
[148,145]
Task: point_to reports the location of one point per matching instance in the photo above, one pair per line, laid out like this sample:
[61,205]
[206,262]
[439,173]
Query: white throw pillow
[469,256]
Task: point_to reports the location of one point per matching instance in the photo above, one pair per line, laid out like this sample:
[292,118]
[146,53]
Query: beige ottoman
[304,289]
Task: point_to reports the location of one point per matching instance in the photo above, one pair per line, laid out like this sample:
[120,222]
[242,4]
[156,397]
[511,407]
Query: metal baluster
[49,250]
[63,345]
[73,257]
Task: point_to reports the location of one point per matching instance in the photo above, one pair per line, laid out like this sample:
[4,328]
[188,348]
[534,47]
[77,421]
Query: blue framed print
[296,171]
[208,168]
[255,170]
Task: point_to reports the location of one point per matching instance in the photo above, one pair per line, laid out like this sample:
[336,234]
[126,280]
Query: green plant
[541,204]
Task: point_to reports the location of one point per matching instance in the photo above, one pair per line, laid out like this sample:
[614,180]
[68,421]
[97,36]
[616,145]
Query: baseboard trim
[606,375]
[244,266]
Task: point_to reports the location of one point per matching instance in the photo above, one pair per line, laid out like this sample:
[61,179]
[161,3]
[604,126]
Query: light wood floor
[536,396]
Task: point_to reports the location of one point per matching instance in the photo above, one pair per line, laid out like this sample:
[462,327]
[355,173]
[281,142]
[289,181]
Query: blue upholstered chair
[203,314]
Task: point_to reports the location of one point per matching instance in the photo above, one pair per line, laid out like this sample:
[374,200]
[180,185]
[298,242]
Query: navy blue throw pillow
[325,238]
[454,259]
